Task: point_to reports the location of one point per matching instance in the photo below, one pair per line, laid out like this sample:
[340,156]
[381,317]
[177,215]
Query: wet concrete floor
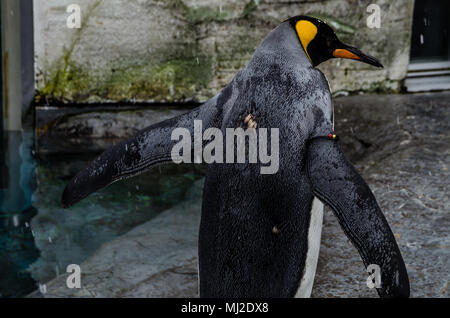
[399,143]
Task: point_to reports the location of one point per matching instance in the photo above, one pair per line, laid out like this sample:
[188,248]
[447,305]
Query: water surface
[38,238]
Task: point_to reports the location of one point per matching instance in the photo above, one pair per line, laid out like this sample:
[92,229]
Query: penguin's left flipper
[337,183]
[149,147]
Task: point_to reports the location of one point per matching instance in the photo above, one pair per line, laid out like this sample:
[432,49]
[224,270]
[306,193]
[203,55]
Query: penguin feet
[250,121]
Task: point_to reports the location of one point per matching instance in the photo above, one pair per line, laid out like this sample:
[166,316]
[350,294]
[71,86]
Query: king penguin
[260,233]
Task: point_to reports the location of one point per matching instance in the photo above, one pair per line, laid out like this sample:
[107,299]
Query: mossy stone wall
[188,50]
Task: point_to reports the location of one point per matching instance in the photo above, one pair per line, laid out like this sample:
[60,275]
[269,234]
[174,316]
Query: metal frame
[17,64]
[2,101]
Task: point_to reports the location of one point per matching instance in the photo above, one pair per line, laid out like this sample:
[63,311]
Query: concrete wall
[182,50]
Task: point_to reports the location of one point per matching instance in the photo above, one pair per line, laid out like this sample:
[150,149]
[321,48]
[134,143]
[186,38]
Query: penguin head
[321,43]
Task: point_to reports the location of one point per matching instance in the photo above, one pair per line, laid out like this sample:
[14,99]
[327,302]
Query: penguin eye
[332,43]
[331,40]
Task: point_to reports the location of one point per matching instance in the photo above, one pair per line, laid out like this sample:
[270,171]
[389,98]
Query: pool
[39,239]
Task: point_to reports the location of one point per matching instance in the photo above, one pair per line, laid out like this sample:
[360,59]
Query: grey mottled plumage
[281,89]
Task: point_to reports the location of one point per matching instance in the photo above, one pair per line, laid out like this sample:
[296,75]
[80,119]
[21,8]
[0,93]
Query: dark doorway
[431,25]
[429,68]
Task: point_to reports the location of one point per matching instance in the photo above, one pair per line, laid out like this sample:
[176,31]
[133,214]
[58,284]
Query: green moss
[56,86]
[175,5]
[173,80]
[177,78]
[250,7]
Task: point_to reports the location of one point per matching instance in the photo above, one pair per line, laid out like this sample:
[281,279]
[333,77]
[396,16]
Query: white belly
[314,235]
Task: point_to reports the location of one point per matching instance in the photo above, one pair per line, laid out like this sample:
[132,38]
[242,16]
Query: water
[17,248]
[39,239]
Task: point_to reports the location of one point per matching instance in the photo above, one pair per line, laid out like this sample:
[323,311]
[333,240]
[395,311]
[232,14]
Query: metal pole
[11,59]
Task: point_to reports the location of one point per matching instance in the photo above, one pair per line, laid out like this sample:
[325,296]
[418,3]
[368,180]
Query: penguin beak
[349,52]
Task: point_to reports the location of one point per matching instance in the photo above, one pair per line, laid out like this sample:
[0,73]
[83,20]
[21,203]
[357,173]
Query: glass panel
[1,71]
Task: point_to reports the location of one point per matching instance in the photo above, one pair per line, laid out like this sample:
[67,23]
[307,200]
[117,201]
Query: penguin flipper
[151,146]
[337,183]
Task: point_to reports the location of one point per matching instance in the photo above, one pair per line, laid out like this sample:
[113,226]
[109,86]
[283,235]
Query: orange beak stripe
[345,54]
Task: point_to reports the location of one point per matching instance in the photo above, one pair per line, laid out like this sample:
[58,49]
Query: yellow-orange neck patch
[306,31]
